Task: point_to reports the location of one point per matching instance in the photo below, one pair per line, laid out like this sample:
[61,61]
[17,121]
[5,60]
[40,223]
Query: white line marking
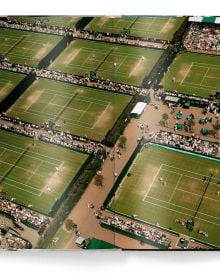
[191,210]
[174,190]
[158,171]
[179,212]
[100,116]
[187,72]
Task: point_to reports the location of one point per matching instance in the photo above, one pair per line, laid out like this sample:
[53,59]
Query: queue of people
[203,37]
[188,143]
[137,229]
[24,215]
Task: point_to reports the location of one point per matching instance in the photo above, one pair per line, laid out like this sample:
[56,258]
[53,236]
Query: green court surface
[60,21]
[80,110]
[95,243]
[164,185]
[115,62]
[26,47]
[60,240]
[35,175]
[194,73]
[8,81]
[148,27]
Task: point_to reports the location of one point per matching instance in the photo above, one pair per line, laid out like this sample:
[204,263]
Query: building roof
[138,108]
[172,98]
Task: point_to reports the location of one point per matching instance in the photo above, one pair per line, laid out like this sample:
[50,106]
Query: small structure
[173,100]
[138,109]
[81,241]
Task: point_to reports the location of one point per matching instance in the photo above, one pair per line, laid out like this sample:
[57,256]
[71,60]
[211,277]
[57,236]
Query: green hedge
[114,133]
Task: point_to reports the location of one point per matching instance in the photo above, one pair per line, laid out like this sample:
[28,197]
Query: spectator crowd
[188,143]
[47,134]
[10,240]
[203,37]
[83,34]
[73,78]
[24,215]
[137,229]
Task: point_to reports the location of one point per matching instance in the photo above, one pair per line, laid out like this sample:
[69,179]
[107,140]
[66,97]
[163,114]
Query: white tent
[138,109]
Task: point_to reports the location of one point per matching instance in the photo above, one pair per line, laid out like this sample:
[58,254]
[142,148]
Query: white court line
[193,85]
[202,175]
[191,210]
[181,190]
[85,111]
[204,76]
[33,101]
[174,190]
[187,72]
[206,65]
[29,152]
[24,190]
[179,212]
[100,116]
[158,171]
[33,172]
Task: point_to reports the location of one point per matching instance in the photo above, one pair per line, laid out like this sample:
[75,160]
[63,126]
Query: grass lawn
[67,21]
[132,64]
[29,173]
[8,81]
[79,110]
[141,192]
[148,27]
[62,237]
[194,74]
[26,47]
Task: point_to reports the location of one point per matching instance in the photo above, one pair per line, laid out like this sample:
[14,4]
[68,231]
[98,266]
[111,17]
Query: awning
[205,19]
[80,240]
[139,108]
[173,99]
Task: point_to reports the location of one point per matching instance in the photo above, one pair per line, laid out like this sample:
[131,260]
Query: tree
[122,141]
[99,180]
[69,224]
[191,123]
[164,120]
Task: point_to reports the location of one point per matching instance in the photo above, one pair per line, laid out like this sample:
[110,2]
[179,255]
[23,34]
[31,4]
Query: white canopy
[139,108]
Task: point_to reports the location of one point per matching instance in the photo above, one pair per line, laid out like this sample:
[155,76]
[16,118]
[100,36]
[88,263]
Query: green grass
[194,74]
[81,57]
[143,194]
[152,27]
[26,47]
[8,81]
[62,237]
[80,110]
[26,177]
[67,21]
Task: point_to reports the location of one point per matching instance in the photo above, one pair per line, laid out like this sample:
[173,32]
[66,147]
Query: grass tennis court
[163,185]
[194,74]
[26,47]
[36,174]
[80,110]
[148,27]
[132,64]
[67,21]
[8,81]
